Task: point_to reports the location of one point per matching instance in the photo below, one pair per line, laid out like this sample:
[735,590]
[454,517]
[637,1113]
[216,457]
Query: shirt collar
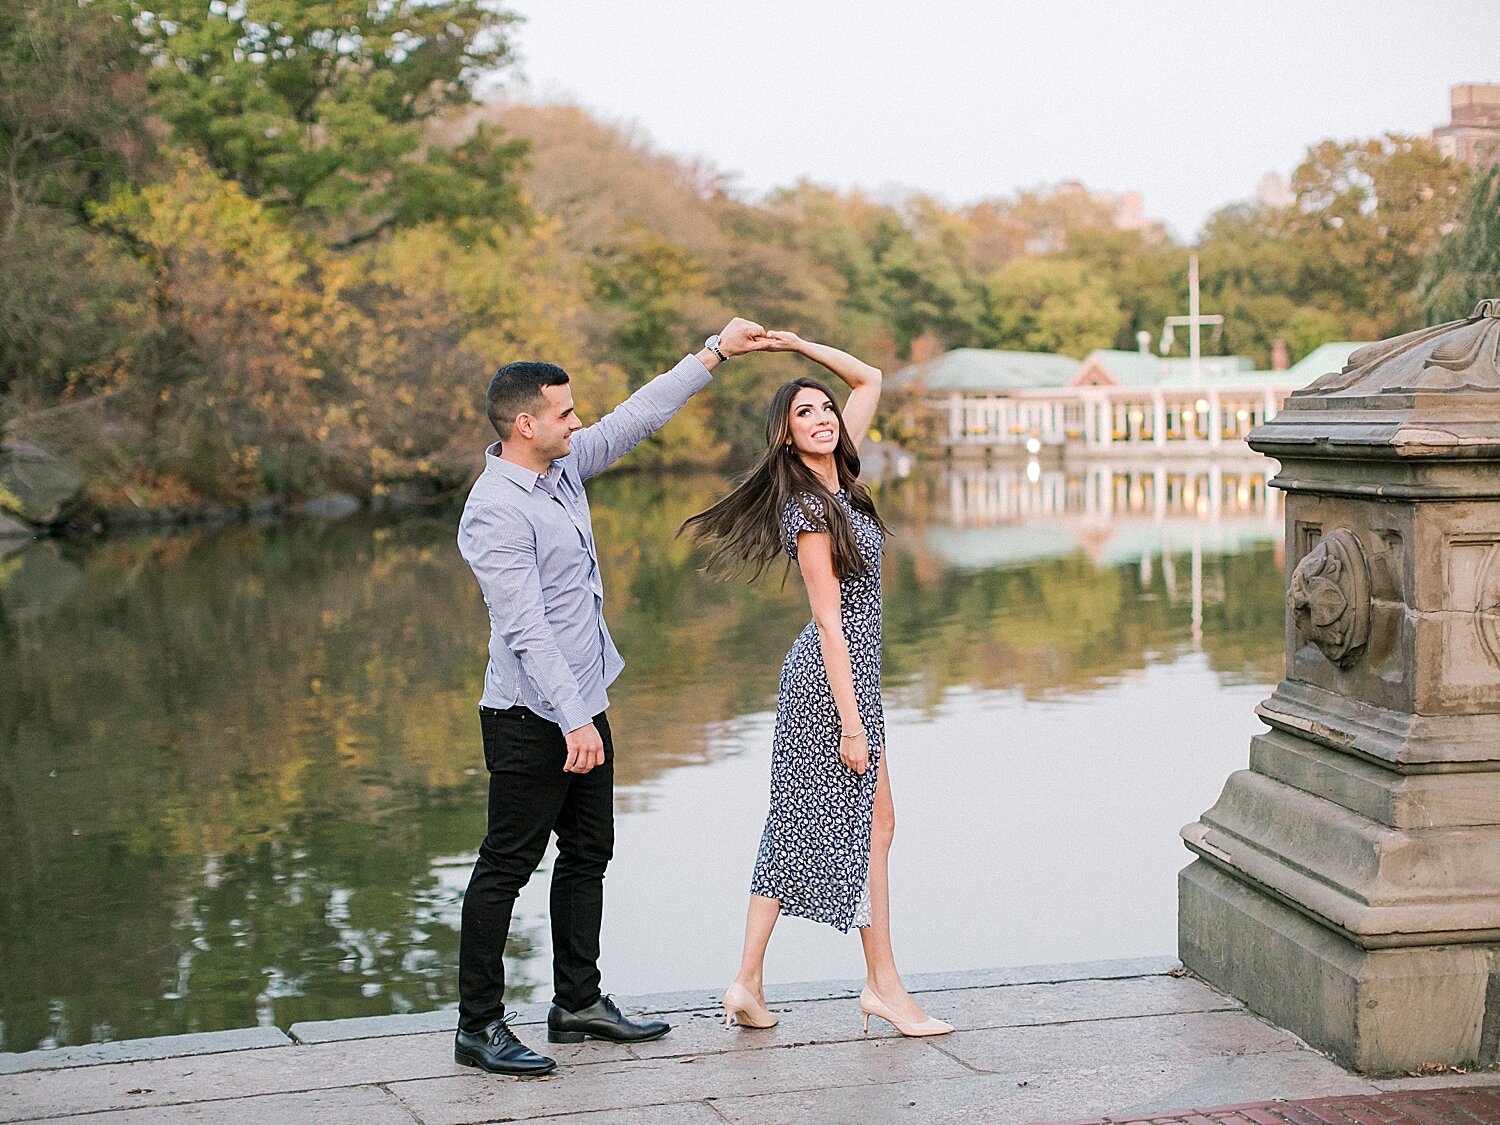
[527,479]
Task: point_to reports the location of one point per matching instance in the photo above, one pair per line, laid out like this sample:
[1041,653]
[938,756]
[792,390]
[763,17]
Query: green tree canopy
[72,126]
[1049,305]
[1465,267]
[318,108]
[1367,215]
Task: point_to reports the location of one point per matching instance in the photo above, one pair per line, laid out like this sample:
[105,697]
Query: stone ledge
[137,1050]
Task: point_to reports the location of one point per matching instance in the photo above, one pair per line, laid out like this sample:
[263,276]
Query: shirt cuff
[574,715]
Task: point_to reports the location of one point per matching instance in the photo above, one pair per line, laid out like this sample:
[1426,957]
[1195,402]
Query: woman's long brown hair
[744,528]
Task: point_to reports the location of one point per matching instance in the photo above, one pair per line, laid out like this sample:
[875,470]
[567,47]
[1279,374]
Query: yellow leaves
[382,460]
[519,295]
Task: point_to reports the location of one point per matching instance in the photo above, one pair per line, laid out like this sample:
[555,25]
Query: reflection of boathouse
[1151,515]
[1113,402]
[1112,512]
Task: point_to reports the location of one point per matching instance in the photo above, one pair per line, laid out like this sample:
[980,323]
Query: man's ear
[525,426]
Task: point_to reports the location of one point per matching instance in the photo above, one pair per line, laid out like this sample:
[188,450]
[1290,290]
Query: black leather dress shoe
[601,1020]
[497,1050]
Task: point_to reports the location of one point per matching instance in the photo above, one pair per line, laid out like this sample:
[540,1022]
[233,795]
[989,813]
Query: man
[527,535]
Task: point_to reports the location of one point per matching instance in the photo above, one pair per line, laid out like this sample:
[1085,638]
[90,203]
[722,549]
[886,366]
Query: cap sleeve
[803,512]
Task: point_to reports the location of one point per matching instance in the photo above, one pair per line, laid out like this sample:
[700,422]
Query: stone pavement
[1117,1038]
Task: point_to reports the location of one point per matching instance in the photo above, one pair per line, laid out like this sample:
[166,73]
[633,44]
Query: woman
[828,833]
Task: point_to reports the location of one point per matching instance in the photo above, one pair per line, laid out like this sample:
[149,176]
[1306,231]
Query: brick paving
[1455,1106]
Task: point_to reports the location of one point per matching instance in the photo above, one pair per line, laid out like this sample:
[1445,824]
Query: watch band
[712,344]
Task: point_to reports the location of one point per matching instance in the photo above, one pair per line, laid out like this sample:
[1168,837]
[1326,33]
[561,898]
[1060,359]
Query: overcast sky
[1189,103]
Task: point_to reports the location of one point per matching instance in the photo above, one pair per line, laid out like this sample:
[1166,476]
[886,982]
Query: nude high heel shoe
[872,1005]
[741,1006]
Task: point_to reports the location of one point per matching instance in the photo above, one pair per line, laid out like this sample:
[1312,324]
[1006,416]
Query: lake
[241,779]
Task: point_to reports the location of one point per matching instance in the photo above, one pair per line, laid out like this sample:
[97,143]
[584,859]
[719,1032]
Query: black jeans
[531,798]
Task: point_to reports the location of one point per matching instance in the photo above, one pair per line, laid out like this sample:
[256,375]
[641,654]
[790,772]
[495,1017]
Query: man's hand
[585,750]
[741,336]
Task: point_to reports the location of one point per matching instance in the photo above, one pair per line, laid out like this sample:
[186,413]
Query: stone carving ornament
[1462,355]
[1330,597]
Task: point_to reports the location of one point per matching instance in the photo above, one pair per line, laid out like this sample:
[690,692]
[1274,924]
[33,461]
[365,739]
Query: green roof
[984,370]
[981,369]
[1132,369]
[1323,360]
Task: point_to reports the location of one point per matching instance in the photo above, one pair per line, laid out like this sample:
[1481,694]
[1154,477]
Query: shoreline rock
[44,489]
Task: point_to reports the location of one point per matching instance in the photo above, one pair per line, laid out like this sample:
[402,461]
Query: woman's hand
[741,336]
[779,340]
[854,752]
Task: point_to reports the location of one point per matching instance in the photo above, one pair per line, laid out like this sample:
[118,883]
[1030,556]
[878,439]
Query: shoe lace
[500,1029]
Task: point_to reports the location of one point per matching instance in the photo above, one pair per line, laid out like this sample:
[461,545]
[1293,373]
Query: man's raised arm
[597,447]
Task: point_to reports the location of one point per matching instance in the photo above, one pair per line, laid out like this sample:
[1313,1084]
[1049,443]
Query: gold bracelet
[856,734]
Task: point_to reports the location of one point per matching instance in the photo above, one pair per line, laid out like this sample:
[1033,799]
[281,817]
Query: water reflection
[239,768]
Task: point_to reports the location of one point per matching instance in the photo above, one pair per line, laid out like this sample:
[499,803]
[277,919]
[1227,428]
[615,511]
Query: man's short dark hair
[517,389]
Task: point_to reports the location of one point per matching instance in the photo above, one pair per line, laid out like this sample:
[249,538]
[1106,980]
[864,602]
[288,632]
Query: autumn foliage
[275,247]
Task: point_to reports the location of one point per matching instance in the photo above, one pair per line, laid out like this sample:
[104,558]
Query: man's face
[553,423]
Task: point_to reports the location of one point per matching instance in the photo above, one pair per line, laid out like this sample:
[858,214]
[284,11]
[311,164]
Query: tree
[317,107]
[72,126]
[72,121]
[1367,215]
[1049,305]
[256,390]
[1465,266]
[1146,274]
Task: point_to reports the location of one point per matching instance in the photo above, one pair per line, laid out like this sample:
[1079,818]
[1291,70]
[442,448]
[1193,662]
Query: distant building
[1273,191]
[1473,134]
[1110,402]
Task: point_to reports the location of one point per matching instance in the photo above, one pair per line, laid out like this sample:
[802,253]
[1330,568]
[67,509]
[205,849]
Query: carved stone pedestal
[1348,882]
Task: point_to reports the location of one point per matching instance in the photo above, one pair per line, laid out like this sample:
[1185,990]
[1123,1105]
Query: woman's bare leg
[760,920]
[880,959]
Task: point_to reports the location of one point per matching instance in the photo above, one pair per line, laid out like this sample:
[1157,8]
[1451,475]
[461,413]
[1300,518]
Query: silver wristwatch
[712,344]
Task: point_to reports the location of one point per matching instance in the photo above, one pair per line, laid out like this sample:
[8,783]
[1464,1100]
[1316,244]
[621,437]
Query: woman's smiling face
[814,423]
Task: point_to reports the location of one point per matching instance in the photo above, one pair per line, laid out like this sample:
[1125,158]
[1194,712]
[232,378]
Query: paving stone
[458,1101]
[1044,974]
[415,1023]
[1063,1095]
[367,1105]
[665,1003]
[1148,1039]
[703,1032]
[1024,1005]
[1240,1079]
[373,1027]
[832,1021]
[801,991]
[159,1047]
[1440,1081]
[251,1073]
